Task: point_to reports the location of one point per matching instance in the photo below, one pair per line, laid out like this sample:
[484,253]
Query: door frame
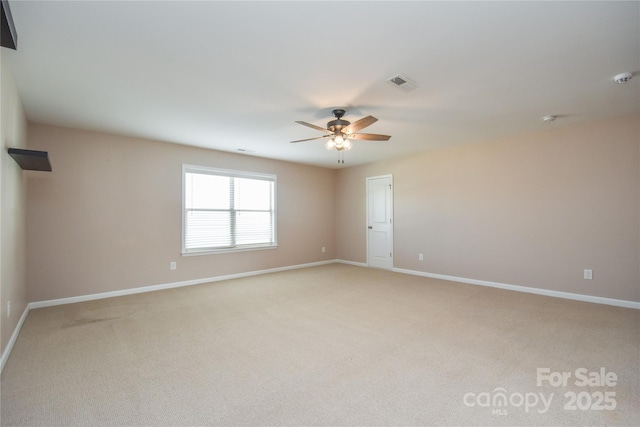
[368,179]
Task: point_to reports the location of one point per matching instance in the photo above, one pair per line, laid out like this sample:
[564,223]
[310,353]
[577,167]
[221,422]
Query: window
[226,210]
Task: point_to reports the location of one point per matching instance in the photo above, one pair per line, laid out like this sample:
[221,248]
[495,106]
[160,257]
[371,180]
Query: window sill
[196,252]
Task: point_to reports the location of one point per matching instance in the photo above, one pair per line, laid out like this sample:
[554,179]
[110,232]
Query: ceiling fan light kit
[338,143]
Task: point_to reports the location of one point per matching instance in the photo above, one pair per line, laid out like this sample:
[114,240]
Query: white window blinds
[227,210]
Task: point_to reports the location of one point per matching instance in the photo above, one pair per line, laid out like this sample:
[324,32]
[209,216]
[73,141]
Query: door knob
[370,227]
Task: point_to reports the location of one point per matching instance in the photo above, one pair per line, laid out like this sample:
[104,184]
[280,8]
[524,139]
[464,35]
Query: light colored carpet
[329,345]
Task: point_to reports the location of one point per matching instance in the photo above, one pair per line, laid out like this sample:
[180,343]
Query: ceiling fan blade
[311,139]
[369,137]
[312,126]
[360,124]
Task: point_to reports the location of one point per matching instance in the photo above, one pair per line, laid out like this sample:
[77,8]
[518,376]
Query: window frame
[229,173]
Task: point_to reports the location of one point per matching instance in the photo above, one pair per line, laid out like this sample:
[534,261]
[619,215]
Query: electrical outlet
[172,265]
[324,249]
[588,274]
[420,257]
[8,308]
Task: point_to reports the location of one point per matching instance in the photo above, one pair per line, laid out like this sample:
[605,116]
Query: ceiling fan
[341,131]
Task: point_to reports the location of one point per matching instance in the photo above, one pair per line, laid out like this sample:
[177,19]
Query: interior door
[380,221]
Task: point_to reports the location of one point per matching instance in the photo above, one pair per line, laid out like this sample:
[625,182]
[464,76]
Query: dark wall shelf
[31,159]
[9,36]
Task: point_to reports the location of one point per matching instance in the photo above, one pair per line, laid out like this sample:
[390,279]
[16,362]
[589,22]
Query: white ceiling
[235,75]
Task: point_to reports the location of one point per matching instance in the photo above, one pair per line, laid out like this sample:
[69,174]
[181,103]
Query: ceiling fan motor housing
[338,124]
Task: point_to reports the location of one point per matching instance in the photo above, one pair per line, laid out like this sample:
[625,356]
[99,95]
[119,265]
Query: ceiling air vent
[402,82]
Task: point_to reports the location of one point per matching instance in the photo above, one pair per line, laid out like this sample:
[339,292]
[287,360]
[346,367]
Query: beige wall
[109,215]
[13,192]
[531,211]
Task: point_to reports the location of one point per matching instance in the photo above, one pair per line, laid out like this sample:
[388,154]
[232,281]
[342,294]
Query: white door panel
[379,244]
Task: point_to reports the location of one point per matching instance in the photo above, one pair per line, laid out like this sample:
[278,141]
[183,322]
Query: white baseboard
[151,288]
[14,337]
[358,264]
[537,291]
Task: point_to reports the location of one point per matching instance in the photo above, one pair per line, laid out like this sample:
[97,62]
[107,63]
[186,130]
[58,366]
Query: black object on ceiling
[31,159]
[8,36]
